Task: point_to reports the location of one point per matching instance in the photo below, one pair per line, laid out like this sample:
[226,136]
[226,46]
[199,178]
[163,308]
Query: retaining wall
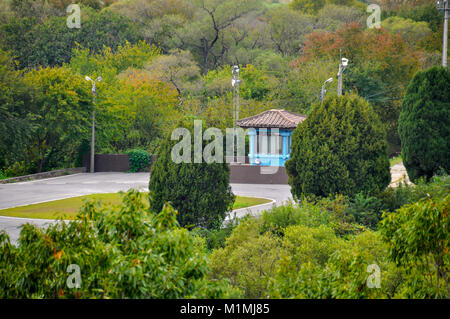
[55,173]
[239,173]
[251,174]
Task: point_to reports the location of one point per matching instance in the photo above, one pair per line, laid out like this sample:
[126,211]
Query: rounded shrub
[139,160]
[199,191]
[340,148]
[424,124]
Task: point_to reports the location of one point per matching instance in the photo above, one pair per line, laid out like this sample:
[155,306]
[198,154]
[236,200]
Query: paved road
[399,175]
[25,193]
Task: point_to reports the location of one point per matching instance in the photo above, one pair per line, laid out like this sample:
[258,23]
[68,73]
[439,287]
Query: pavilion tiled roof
[272,119]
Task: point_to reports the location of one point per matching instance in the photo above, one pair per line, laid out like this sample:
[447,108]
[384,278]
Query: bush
[199,191]
[216,237]
[418,236]
[310,213]
[248,259]
[394,198]
[365,210]
[17,169]
[424,124]
[3,175]
[139,160]
[122,252]
[301,251]
[340,148]
[368,210]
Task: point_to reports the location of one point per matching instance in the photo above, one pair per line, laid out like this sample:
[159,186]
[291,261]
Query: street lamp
[94,97]
[235,82]
[324,91]
[342,66]
[443,6]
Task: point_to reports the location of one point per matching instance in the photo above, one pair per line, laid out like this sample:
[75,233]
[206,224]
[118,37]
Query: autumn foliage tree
[378,59]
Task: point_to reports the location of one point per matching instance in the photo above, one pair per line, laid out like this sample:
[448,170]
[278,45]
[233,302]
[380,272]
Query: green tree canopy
[199,191]
[424,124]
[340,148]
[418,238]
[51,42]
[122,252]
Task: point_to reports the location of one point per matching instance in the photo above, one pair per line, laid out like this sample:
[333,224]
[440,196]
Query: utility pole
[235,83]
[324,91]
[94,101]
[443,6]
[342,66]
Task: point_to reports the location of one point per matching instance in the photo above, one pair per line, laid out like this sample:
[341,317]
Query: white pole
[340,80]
[445,42]
[93,130]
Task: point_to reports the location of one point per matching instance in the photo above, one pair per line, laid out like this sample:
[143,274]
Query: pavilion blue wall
[269,159]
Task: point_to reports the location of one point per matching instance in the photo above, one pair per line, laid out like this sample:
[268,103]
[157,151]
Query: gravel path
[399,174]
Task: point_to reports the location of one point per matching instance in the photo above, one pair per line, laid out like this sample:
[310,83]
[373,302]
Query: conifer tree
[424,124]
[199,191]
[340,148]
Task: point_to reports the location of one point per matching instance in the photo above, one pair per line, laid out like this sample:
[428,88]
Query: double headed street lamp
[324,91]
[443,6]
[94,97]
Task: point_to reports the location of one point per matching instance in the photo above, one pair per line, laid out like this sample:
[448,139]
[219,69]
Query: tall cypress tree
[424,124]
[199,191]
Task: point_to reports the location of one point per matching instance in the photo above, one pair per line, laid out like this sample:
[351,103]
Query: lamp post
[342,66]
[235,82]
[324,91]
[94,98]
[443,6]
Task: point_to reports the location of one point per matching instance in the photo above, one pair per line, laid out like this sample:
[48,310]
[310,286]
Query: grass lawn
[68,208]
[395,160]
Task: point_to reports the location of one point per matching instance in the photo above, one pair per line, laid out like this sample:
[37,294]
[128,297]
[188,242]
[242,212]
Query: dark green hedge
[139,160]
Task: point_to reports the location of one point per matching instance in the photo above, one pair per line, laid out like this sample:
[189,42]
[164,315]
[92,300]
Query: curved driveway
[26,193]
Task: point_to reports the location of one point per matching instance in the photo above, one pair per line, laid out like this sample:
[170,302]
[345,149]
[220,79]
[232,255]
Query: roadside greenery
[315,249]
[122,252]
[312,249]
[395,160]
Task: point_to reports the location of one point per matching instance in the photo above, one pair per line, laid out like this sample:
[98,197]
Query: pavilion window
[269,143]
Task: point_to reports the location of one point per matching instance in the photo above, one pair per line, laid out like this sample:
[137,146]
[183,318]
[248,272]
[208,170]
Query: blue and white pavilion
[270,136]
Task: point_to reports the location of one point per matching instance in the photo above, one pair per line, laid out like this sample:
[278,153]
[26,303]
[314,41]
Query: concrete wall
[108,162]
[250,174]
[240,173]
[55,173]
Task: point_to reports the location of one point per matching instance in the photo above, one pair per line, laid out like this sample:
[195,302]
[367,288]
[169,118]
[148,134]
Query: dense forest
[161,60]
